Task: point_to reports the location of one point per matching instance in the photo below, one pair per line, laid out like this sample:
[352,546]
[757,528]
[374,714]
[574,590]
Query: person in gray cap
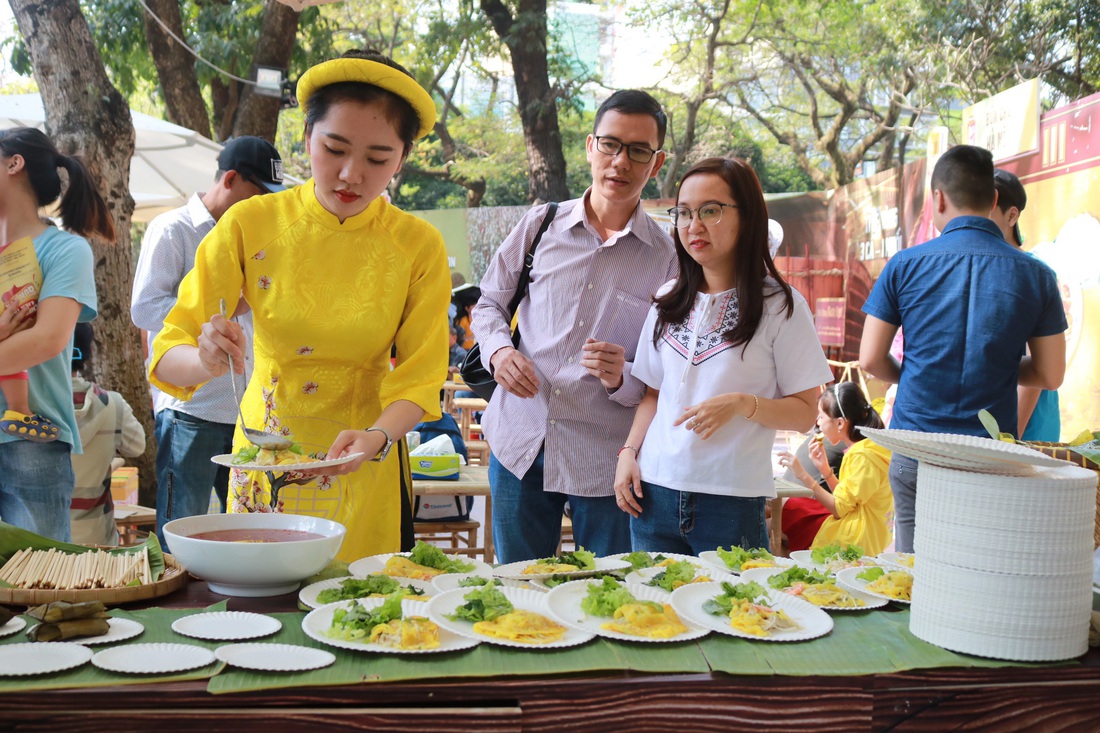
[189,433]
[1039,418]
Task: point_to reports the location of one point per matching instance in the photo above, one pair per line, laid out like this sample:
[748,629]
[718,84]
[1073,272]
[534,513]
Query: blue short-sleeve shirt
[967,303]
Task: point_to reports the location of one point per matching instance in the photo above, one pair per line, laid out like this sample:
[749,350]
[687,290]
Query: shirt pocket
[621,321]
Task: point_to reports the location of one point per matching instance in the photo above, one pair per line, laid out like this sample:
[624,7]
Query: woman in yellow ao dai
[335,277]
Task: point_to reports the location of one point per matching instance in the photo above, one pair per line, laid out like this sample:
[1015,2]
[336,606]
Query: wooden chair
[460,536]
[567,542]
[478,451]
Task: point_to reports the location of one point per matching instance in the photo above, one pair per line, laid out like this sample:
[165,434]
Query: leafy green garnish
[363,587]
[793,575]
[673,576]
[473,582]
[356,622]
[604,599]
[872,573]
[483,604]
[432,557]
[640,559]
[721,605]
[581,559]
[247,453]
[736,556]
[835,551]
[555,580]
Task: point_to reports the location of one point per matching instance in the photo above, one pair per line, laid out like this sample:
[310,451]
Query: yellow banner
[1007,124]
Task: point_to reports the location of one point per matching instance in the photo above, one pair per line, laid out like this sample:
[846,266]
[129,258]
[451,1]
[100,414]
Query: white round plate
[119,630]
[440,607]
[711,558]
[982,454]
[847,579]
[761,575]
[514,570]
[13,625]
[227,459]
[667,556]
[308,595]
[226,625]
[565,603]
[153,658]
[365,566]
[805,559]
[688,601]
[450,581]
[274,657]
[319,621]
[900,560]
[21,660]
[643,576]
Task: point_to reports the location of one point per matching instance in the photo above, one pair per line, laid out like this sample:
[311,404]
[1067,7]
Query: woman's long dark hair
[751,255]
[83,210]
[846,400]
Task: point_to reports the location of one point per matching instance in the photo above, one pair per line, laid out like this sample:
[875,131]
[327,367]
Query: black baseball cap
[254,158]
[1010,192]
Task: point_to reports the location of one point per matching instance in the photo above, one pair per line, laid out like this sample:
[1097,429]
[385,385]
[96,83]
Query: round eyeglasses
[611,146]
[710,213]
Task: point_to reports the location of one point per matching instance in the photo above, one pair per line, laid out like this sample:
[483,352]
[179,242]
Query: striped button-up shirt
[581,287]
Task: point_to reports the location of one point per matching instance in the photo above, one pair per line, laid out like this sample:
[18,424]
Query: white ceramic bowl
[253,568]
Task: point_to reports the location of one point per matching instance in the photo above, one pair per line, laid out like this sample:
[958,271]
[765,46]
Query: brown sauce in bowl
[256,535]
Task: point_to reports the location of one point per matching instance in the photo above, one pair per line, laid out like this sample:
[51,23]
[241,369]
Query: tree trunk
[86,116]
[259,115]
[526,38]
[175,68]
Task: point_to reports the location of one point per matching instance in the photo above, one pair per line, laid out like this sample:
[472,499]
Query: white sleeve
[160,268]
[648,367]
[799,360]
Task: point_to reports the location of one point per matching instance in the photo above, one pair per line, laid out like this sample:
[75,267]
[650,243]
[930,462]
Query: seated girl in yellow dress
[335,277]
[860,507]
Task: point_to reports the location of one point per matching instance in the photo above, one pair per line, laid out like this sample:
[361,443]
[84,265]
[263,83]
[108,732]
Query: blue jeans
[903,482]
[527,519]
[689,523]
[36,487]
[185,474]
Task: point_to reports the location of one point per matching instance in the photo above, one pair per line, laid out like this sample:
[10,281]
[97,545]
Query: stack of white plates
[1005,557]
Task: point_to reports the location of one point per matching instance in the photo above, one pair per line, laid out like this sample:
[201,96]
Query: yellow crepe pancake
[526,627]
[408,633]
[758,620]
[645,619]
[402,567]
[549,568]
[759,562]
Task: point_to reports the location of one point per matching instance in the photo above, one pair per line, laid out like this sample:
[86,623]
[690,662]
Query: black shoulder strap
[529,260]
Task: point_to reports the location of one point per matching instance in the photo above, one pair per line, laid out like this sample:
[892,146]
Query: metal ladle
[268,441]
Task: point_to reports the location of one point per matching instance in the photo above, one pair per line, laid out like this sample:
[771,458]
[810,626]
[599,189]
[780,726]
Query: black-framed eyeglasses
[611,146]
[708,213]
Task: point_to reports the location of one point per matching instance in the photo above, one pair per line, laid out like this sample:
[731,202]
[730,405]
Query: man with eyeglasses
[189,433]
[566,398]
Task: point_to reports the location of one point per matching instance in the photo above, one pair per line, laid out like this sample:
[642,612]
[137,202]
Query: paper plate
[761,575]
[603,565]
[443,605]
[450,581]
[308,595]
[153,658]
[21,660]
[711,558]
[565,603]
[13,625]
[805,559]
[226,625]
[667,555]
[226,459]
[319,621]
[969,452]
[377,564]
[645,575]
[274,657]
[847,579]
[900,560]
[688,601]
[120,629]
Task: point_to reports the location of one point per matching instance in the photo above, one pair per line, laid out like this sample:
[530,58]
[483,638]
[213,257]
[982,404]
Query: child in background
[107,427]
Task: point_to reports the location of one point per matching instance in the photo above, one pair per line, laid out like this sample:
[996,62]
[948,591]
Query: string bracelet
[755,407]
[627,447]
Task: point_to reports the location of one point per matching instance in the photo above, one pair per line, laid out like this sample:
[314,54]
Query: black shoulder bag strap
[529,262]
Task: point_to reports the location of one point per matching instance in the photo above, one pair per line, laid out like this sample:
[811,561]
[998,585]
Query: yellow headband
[370,72]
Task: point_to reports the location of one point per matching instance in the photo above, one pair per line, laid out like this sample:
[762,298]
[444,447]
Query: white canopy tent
[170,162]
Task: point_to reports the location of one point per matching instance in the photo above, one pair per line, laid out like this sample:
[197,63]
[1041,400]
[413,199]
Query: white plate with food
[703,573]
[119,629]
[14,624]
[530,617]
[836,598]
[833,564]
[644,559]
[229,460]
[32,657]
[900,560]
[375,585]
[226,625]
[803,620]
[378,564]
[712,558]
[848,578]
[156,658]
[515,570]
[450,581]
[640,624]
[318,625]
[267,657]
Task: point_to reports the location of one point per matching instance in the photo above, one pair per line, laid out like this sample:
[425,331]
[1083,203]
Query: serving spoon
[268,441]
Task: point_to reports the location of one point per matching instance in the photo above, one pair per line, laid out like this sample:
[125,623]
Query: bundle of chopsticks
[54,569]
